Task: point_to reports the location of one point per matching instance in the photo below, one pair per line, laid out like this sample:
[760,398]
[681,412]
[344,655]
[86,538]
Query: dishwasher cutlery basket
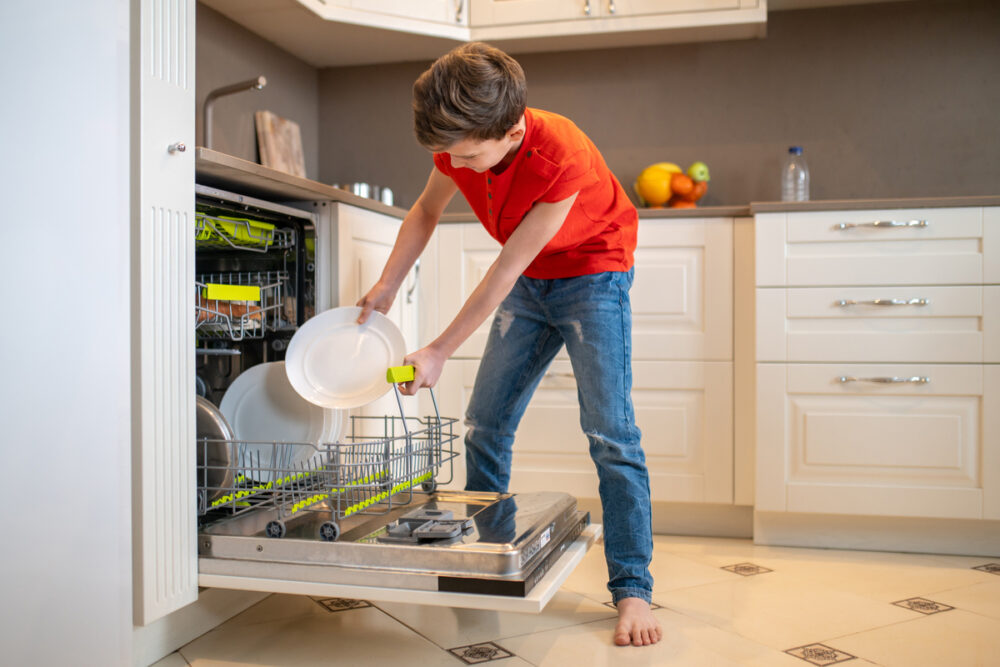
[373,469]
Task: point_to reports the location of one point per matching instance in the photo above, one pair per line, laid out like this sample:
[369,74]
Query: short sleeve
[574,174]
[442,163]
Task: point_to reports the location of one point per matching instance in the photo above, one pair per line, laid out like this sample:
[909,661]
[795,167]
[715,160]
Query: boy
[568,231]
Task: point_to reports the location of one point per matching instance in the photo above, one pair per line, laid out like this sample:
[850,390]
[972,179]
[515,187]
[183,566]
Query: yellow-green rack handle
[397,374]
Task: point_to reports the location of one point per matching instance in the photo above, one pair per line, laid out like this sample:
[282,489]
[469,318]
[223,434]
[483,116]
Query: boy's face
[481,155]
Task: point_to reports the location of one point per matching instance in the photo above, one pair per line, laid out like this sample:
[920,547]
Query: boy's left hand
[427,365]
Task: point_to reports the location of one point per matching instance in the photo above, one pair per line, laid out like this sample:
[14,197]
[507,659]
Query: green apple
[698,171]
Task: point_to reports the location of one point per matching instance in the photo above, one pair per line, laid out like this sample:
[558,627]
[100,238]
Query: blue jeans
[592,316]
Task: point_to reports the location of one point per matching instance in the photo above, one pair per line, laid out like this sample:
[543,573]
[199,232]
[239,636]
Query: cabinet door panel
[509,12]
[902,449]
[684,410]
[163,303]
[365,240]
[465,254]
[682,297]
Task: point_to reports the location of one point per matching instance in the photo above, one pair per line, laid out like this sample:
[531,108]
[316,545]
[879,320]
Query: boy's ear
[517,132]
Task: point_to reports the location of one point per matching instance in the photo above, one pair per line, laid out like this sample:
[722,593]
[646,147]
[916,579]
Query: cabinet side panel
[164,496]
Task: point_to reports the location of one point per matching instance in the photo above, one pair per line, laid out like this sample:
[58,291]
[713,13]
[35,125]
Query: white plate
[335,362]
[262,406]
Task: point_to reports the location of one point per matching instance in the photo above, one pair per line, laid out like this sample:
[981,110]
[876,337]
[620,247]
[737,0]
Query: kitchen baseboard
[960,537]
[696,519]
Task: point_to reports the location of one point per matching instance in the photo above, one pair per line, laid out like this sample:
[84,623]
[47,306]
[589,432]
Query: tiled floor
[721,602]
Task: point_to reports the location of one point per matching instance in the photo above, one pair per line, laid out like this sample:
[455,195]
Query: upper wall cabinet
[331,33]
[443,18]
[594,23]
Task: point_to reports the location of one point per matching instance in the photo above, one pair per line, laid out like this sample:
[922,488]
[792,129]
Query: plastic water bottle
[795,176]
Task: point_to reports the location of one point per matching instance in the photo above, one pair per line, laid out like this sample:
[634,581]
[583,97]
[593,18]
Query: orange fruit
[681,184]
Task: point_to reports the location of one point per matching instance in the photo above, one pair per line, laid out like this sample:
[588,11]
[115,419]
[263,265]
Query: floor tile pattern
[992,568]
[820,654]
[340,604]
[832,606]
[479,653]
[747,569]
[923,605]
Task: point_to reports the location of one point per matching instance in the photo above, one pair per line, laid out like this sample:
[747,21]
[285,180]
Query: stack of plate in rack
[263,408]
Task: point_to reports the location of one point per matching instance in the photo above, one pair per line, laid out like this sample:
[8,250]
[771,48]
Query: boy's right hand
[379,298]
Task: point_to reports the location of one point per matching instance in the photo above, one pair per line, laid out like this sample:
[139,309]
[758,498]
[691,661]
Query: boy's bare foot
[636,623]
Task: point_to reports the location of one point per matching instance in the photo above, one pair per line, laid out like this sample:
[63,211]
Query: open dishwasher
[355,511]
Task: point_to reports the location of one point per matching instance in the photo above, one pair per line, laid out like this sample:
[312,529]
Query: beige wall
[227,53]
[889,100]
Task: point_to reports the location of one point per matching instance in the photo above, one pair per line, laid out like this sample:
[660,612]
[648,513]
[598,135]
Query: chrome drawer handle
[611,7]
[883,302]
[882,223]
[586,7]
[844,379]
[458,11]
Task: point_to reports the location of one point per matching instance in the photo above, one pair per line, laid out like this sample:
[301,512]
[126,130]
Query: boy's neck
[508,159]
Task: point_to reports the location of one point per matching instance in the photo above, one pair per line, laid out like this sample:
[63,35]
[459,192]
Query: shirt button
[490,195]
[529,153]
[489,181]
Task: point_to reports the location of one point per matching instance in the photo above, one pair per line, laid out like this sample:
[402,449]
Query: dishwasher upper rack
[240,320]
[225,232]
[375,468]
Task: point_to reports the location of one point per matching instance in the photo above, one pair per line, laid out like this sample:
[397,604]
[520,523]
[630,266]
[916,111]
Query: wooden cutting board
[279,142]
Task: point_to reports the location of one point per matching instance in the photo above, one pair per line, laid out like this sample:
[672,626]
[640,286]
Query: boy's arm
[535,231]
[416,230]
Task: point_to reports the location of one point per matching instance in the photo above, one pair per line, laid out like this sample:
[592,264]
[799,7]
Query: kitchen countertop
[232,173]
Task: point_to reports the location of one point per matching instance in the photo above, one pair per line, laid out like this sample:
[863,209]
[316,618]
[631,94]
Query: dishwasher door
[505,552]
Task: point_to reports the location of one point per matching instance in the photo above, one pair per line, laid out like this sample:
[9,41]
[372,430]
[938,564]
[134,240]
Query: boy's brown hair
[472,92]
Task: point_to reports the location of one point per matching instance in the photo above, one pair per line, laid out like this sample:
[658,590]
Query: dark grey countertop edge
[856,204]
[232,173]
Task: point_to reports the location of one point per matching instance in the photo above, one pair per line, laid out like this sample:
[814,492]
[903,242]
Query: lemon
[669,166]
[653,184]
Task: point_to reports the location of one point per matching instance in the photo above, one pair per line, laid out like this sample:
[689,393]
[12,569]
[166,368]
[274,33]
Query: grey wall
[889,100]
[227,53]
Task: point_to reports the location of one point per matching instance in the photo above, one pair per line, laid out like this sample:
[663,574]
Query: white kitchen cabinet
[684,409]
[874,247]
[164,551]
[951,324]
[332,33]
[682,311]
[381,12]
[516,12]
[364,242]
[431,16]
[920,448]
[876,377]
[498,20]
[682,294]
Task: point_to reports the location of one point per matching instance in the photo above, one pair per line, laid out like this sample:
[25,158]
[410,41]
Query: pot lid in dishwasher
[450,541]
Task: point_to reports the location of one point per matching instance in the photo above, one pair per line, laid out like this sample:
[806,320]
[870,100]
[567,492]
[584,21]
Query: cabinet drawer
[927,449]
[876,324]
[884,247]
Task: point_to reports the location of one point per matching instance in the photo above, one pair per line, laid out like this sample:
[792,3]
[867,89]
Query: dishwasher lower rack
[374,469]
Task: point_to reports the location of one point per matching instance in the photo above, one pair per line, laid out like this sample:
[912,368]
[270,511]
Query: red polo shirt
[555,160]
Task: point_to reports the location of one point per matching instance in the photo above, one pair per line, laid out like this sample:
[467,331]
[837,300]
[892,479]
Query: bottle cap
[795,150]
